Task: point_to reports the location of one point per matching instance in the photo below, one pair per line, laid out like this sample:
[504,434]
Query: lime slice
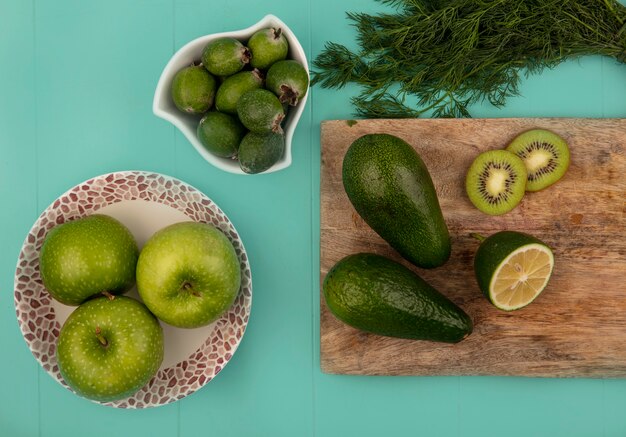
[512,269]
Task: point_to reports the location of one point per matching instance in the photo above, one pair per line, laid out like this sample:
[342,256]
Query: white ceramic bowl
[164,107]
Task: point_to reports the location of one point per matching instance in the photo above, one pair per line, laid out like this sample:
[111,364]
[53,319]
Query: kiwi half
[545,155]
[496,181]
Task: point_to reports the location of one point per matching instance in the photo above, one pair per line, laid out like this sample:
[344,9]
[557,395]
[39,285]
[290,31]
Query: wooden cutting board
[575,328]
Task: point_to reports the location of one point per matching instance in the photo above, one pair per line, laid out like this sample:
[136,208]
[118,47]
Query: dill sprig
[446,55]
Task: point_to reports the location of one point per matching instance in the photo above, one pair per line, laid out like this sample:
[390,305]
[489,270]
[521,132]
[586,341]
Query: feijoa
[260,111]
[286,111]
[220,134]
[193,90]
[288,80]
[260,151]
[225,56]
[267,46]
[234,87]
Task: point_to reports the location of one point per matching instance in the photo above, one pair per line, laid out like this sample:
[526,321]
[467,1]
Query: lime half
[512,269]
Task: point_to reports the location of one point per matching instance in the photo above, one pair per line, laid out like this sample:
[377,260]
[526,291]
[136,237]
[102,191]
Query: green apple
[188,274]
[87,256]
[109,348]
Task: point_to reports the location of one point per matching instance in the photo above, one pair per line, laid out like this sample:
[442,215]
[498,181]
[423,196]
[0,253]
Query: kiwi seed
[496,181]
[545,155]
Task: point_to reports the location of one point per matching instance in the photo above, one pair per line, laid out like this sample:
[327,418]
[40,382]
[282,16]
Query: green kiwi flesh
[496,181]
[545,155]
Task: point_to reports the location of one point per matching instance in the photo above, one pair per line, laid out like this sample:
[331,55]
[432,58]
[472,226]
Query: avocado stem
[477,236]
[108,295]
[103,341]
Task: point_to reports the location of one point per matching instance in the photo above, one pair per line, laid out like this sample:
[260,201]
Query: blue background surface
[76,86]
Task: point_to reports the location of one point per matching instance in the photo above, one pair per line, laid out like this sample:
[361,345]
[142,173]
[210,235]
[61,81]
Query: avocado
[375,294]
[391,189]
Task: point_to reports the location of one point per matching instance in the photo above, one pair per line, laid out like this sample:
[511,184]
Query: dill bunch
[449,54]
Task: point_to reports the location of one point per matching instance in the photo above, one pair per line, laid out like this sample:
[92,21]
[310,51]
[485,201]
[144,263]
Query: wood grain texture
[576,328]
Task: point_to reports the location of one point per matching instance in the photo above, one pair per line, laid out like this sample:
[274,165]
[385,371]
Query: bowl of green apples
[238,96]
[133,289]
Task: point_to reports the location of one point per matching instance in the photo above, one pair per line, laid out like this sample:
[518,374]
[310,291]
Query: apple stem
[477,236]
[187,286]
[108,295]
[103,341]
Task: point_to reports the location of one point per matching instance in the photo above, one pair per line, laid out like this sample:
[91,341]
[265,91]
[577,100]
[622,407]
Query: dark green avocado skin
[391,189]
[375,294]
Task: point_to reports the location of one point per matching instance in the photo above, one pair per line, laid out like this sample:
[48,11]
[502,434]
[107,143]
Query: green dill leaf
[449,54]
